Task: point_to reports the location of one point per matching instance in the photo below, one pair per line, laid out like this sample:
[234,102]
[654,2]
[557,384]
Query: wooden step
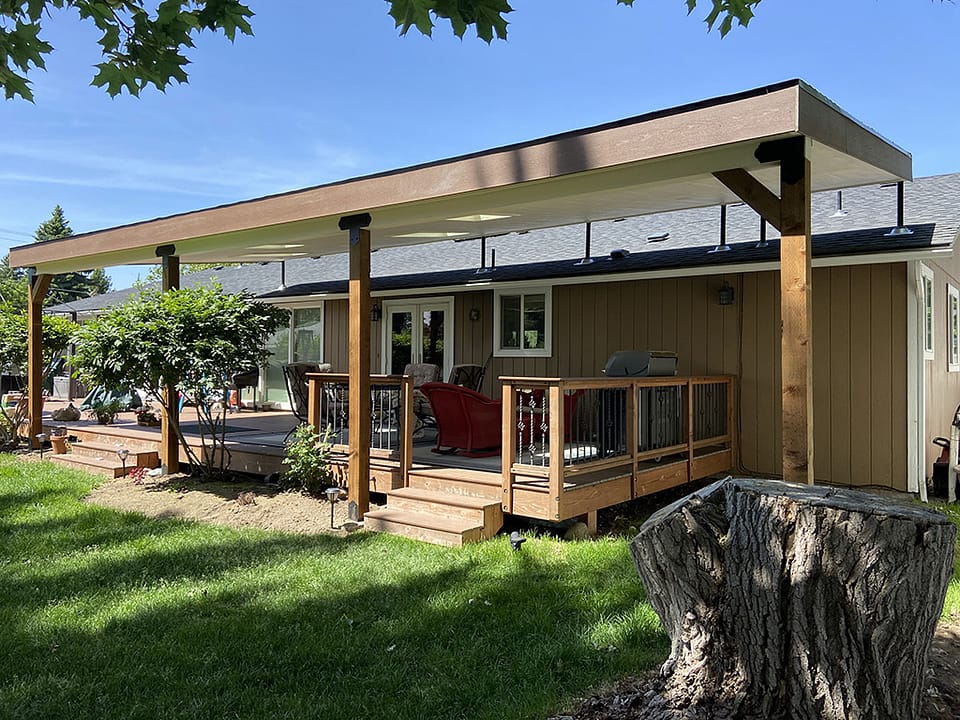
[107,468]
[458,481]
[483,511]
[136,458]
[135,440]
[435,529]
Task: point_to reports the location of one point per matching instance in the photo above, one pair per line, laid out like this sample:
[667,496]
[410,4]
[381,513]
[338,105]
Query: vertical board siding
[859,347]
[941,387]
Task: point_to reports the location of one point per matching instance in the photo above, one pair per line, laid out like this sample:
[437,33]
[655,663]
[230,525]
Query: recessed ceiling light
[432,235]
[275,246]
[480,217]
[274,255]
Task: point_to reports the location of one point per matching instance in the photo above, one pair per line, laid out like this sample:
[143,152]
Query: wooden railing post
[406,427]
[690,409]
[314,391]
[555,393]
[633,430]
[508,443]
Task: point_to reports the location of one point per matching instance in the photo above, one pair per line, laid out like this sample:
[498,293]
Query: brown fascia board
[764,112]
[768,112]
[826,122]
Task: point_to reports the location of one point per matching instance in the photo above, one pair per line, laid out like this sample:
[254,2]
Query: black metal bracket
[789,152]
[166,251]
[354,223]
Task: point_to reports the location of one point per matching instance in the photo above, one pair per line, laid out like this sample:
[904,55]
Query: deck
[616,439]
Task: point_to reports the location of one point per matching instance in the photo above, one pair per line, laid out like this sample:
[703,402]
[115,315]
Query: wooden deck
[617,439]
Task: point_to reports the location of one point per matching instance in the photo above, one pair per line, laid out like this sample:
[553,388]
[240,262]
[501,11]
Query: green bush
[308,461]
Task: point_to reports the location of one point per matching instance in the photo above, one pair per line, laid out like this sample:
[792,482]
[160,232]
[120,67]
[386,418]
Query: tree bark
[790,601]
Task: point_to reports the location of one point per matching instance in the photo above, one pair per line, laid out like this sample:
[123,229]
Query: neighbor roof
[651,163]
[932,211]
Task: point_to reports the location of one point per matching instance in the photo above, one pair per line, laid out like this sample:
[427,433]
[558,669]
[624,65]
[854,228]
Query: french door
[418,332]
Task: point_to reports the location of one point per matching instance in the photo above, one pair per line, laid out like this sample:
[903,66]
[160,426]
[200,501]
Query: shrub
[308,461]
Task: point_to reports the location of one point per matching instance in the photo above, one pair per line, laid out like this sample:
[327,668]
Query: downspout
[915,385]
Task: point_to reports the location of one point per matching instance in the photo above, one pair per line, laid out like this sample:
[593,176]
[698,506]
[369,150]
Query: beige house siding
[859,354]
[859,374]
[942,387]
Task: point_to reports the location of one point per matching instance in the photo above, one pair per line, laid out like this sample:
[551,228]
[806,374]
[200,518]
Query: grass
[951,606]
[109,614]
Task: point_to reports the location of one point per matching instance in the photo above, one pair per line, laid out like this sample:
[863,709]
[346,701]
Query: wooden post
[407,423]
[358,488]
[796,315]
[170,420]
[555,399]
[508,443]
[39,284]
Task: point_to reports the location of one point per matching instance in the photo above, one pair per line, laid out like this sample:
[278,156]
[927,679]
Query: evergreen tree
[74,285]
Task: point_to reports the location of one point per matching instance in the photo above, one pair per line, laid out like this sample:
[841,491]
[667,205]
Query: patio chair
[468,423]
[422,373]
[468,376]
[244,379]
[298,389]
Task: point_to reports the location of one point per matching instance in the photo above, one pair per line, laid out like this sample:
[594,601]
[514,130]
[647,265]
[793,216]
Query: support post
[796,314]
[358,488]
[39,284]
[169,442]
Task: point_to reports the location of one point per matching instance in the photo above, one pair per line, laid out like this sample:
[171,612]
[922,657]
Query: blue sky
[328,90]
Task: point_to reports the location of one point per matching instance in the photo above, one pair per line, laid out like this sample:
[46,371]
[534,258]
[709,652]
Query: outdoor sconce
[123,453]
[41,439]
[726,294]
[474,314]
[333,495]
[375,313]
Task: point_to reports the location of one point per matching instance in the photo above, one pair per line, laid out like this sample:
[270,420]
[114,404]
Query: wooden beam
[169,441]
[38,286]
[358,484]
[796,314]
[754,193]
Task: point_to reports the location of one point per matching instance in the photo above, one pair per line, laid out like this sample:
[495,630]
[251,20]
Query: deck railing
[562,435]
[391,413]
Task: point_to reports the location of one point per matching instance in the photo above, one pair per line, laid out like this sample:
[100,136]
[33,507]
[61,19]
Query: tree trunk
[794,602]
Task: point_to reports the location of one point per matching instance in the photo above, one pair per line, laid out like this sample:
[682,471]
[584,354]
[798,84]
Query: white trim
[547,349]
[293,331]
[445,303]
[953,329]
[916,396]
[927,298]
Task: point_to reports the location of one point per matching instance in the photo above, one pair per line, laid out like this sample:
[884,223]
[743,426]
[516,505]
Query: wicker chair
[468,423]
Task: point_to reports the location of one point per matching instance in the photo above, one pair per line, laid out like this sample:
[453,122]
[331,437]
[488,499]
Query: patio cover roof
[650,163]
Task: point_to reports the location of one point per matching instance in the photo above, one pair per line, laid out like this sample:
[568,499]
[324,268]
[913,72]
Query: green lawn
[111,615]
[951,607]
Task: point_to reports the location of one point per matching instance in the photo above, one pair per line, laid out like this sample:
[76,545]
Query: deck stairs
[97,453]
[443,506]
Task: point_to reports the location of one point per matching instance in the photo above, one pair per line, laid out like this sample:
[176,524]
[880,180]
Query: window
[926,275]
[953,329]
[522,323]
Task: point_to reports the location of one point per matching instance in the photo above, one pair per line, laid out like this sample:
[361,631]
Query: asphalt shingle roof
[932,211]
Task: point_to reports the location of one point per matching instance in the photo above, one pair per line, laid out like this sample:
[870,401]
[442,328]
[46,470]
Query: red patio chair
[468,423]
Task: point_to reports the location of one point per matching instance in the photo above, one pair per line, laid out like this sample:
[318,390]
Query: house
[683,191]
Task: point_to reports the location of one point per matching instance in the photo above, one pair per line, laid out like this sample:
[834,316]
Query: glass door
[419,332]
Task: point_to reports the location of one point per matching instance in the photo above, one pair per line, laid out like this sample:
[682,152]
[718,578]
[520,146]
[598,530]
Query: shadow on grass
[120,616]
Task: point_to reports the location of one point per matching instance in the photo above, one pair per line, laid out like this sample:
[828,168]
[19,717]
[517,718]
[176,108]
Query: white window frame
[953,329]
[293,330]
[546,350]
[929,311]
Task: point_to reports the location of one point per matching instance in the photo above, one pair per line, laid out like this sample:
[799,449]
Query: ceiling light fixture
[433,235]
[479,217]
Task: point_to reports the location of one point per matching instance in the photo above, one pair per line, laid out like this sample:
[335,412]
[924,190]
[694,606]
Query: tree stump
[794,602]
